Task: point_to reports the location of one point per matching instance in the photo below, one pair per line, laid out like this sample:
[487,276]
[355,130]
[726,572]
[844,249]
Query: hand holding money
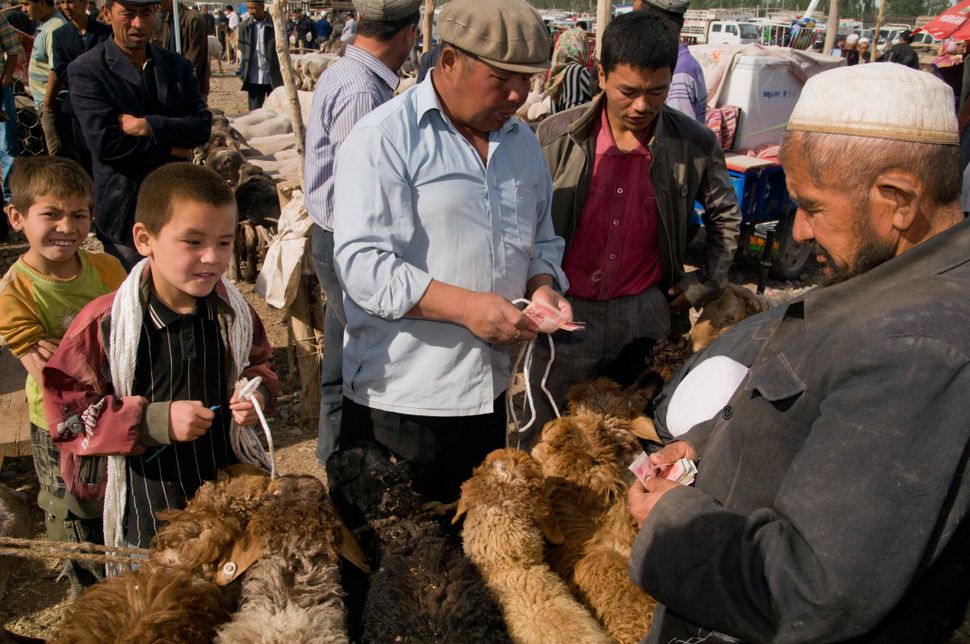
[657,474]
[549,312]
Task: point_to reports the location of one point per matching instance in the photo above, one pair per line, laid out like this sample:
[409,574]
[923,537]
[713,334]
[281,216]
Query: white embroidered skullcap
[851,38]
[879,100]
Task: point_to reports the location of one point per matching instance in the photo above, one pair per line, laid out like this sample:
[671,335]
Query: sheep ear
[643,427]
[245,552]
[550,528]
[462,508]
[350,550]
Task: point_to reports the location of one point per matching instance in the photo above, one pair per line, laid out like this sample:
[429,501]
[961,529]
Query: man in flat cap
[626,171]
[138,107]
[259,65]
[688,89]
[441,218]
[832,501]
[364,78]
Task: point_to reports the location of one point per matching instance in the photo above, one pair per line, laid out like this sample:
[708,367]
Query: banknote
[548,319]
[683,471]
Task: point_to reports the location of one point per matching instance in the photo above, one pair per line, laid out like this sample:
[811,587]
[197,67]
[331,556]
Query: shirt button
[619,191]
[612,256]
[616,222]
[727,413]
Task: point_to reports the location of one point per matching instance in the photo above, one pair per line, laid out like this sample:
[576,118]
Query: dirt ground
[37,598]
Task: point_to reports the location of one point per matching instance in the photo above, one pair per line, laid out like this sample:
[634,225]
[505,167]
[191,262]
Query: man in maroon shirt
[626,172]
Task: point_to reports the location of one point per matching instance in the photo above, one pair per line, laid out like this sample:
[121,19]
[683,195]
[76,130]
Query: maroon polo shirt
[614,252]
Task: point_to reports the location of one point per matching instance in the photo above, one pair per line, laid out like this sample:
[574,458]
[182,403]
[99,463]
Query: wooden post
[306,329]
[427,27]
[604,12]
[283,52]
[832,28]
[874,52]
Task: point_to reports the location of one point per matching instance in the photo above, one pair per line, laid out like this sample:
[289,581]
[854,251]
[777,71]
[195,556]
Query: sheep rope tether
[45,549]
[127,316]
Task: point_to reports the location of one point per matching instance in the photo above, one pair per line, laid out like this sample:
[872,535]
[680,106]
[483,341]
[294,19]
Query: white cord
[127,315]
[528,354]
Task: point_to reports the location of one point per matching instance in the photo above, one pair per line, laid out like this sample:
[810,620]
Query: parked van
[732,32]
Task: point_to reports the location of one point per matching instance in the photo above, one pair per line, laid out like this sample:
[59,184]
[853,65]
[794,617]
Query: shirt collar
[605,144]
[426,99]
[162,316]
[374,64]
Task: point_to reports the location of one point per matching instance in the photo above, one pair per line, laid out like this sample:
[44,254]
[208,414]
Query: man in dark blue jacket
[139,108]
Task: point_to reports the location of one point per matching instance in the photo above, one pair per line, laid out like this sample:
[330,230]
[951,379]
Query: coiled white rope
[127,315]
[527,356]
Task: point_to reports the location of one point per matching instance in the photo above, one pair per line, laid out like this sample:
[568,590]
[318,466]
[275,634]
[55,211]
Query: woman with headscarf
[568,83]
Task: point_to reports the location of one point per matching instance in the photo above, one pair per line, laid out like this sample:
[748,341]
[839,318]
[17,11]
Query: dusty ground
[37,599]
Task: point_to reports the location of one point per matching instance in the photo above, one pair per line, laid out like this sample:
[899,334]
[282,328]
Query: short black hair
[640,40]
[676,18]
[385,30]
[906,36]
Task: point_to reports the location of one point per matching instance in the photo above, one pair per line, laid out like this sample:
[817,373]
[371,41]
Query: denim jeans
[10,147]
[334,321]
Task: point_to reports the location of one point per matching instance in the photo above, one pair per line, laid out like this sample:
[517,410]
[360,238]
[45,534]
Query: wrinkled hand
[643,497]
[554,299]
[494,319]
[679,301]
[134,125]
[243,411]
[188,420]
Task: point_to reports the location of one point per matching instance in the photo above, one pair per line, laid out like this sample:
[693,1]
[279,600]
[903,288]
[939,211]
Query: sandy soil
[37,599]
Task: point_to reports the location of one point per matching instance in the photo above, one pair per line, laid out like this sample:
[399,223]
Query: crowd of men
[831,501]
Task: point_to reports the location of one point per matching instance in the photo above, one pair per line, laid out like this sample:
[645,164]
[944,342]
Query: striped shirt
[180,357]
[345,93]
[9,43]
[688,90]
[575,88]
[42,57]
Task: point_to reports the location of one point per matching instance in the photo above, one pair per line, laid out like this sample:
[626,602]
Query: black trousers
[443,450]
[257,95]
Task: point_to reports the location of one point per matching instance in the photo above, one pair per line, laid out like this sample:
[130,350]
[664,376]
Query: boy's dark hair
[677,19]
[34,177]
[640,40]
[385,30]
[178,182]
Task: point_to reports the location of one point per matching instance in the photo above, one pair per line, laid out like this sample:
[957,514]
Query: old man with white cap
[441,220]
[831,501]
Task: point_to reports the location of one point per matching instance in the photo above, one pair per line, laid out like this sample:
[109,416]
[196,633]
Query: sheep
[214,51]
[425,589]
[151,604]
[584,457]
[507,516]
[226,163]
[735,304]
[14,522]
[289,555]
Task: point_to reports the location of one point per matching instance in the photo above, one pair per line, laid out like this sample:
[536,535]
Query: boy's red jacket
[87,420]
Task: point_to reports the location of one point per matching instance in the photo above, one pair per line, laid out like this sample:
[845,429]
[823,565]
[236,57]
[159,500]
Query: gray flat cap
[508,34]
[386,10]
[672,6]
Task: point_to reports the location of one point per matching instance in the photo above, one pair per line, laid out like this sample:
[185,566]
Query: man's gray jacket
[831,502]
[688,166]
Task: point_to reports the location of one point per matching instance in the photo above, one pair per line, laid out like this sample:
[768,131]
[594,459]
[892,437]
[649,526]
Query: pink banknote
[548,319]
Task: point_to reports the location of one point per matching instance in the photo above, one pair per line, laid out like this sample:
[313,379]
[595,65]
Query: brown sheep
[735,304]
[151,604]
[507,516]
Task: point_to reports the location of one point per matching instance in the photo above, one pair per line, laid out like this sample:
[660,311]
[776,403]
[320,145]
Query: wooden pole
[283,52]
[832,26]
[427,27]
[874,52]
[604,12]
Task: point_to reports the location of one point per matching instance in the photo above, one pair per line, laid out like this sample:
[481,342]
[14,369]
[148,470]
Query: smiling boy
[190,335]
[39,296]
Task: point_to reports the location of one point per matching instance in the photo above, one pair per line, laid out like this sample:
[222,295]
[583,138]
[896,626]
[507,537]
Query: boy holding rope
[40,294]
[147,376]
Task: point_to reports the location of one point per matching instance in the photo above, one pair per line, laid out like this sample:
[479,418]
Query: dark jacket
[688,166]
[68,43]
[106,84]
[903,53]
[831,502]
[247,50]
[195,43]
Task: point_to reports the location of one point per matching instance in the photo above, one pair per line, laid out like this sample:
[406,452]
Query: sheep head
[507,512]
[735,304]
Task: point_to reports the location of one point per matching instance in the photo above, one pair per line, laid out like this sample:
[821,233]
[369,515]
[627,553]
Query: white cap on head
[852,38]
[879,100]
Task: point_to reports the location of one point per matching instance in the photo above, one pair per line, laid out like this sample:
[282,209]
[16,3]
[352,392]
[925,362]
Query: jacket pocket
[775,380]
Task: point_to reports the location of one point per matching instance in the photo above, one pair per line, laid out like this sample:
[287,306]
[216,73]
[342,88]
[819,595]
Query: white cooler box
[766,91]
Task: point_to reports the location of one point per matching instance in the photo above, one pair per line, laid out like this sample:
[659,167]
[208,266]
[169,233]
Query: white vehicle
[732,32]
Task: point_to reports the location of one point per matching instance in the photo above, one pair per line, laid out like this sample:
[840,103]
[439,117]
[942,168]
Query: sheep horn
[350,550]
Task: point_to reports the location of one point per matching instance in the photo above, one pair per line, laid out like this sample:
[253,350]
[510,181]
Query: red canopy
[950,22]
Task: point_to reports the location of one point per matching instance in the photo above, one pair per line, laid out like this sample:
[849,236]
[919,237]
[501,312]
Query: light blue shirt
[424,206]
[346,91]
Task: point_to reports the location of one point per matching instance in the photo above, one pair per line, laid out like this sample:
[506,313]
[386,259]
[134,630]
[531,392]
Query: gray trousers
[331,368]
[581,355]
